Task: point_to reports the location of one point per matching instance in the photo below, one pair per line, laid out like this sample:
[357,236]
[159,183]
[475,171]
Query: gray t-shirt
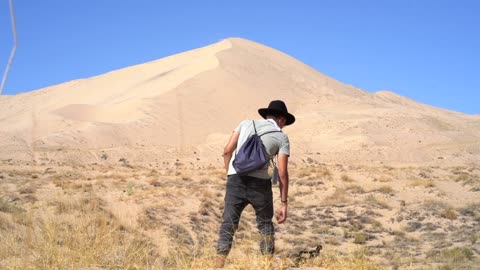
[275,142]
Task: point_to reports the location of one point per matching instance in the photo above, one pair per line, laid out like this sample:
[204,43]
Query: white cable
[14,49]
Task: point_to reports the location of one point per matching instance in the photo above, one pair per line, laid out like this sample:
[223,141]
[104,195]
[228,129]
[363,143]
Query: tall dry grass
[72,237]
[76,232]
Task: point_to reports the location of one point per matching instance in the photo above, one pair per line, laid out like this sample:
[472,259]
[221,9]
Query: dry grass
[449,214]
[469,179]
[428,183]
[375,202]
[339,197]
[68,226]
[68,240]
[382,179]
[384,189]
[360,238]
[356,189]
[346,178]
[472,209]
[321,172]
[453,258]
[435,206]
[9,207]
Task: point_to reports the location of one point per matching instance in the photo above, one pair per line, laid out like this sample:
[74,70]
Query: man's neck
[275,123]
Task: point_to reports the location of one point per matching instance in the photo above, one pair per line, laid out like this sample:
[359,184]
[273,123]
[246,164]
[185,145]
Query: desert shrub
[313,172]
[428,183]
[9,207]
[29,189]
[472,210]
[346,178]
[375,202]
[449,214]
[384,189]
[452,255]
[355,189]
[5,222]
[339,197]
[79,241]
[469,179]
[435,206]
[360,238]
[382,179]
[156,182]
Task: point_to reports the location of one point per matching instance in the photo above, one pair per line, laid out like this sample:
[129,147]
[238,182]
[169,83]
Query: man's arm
[229,148]
[283,174]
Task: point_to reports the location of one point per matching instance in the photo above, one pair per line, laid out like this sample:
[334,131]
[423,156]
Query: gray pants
[241,191]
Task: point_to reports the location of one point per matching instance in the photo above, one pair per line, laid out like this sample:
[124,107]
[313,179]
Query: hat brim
[265,111]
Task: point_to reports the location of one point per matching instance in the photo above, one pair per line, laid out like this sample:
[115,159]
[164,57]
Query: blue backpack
[251,156]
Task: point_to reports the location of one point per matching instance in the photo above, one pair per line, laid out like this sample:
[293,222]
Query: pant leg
[259,193]
[235,202]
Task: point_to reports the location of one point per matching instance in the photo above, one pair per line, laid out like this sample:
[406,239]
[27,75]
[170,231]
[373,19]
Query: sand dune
[188,103]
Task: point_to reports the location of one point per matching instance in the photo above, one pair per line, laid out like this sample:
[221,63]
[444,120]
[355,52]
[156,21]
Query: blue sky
[427,50]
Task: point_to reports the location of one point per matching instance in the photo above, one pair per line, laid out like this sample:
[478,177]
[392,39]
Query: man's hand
[282,214]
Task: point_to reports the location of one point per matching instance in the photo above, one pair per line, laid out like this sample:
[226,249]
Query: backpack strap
[254,128]
[270,132]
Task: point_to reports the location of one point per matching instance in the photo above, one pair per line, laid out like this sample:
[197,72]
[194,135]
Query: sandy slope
[183,108]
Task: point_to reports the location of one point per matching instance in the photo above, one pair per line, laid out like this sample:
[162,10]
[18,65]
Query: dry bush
[449,214]
[219,173]
[155,182]
[6,222]
[384,189]
[28,189]
[61,182]
[346,178]
[154,216]
[382,179]
[22,174]
[207,208]
[388,168]
[454,258]
[72,241]
[74,204]
[356,259]
[435,206]
[30,198]
[71,175]
[313,172]
[428,183]
[472,210]
[375,202]
[204,181]
[360,238]
[9,207]
[469,179]
[339,197]
[153,173]
[474,238]
[356,189]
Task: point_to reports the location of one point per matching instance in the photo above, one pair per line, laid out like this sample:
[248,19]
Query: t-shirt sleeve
[285,146]
[242,124]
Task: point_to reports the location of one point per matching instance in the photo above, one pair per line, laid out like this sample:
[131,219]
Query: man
[256,187]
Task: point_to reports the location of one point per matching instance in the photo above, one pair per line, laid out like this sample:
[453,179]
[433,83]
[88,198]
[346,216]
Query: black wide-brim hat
[277,107]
